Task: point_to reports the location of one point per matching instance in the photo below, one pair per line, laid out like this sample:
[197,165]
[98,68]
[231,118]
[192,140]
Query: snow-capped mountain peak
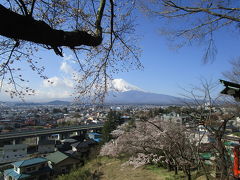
[121,85]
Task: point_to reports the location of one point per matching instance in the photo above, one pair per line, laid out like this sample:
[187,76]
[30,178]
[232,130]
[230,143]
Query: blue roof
[14,174]
[96,136]
[97,139]
[29,162]
[93,133]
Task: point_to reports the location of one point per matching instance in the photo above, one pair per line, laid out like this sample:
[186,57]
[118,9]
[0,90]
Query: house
[65,145]
[83,146]
[46,146]
[82,149]
[201,135]
[30,169]
[62,163]
[174,117]
[13,152]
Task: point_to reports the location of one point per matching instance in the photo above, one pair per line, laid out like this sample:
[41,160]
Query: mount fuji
[120,85]
[122,92]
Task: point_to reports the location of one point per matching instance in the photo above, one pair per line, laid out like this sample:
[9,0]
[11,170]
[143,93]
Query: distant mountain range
[122,92]
[113,97]
[56,103]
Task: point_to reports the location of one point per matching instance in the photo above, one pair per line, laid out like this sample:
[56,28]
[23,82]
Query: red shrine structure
[233,89]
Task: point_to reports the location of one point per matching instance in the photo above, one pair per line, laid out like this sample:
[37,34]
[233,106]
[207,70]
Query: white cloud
[57,82]
[53,94]
[68,57]
[55,87]
[58,87]
[66,68]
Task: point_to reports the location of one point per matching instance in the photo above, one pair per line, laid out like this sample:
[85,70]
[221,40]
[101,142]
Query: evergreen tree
[113,120]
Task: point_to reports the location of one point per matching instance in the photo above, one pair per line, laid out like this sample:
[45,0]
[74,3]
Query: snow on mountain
[140,97]
[122,92]
[121,85]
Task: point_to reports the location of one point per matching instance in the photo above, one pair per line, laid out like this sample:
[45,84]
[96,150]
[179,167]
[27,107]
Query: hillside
[112,169]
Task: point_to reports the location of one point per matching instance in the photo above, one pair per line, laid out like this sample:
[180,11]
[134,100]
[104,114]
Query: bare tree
[189,22]
[206,111]
[234,74]
[99,30]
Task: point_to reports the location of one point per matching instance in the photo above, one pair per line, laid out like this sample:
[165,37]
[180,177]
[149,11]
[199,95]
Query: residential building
[83,146]
[30,169]
[13,152]
[62,163]
[46,146]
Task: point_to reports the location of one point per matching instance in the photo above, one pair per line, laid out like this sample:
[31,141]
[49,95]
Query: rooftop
[46,142]
[57,157]
[14,174]
[93,133]
[29,162]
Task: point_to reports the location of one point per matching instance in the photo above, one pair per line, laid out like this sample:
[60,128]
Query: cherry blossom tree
[154,141]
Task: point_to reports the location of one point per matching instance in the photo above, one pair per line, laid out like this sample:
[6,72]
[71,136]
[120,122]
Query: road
[34,133]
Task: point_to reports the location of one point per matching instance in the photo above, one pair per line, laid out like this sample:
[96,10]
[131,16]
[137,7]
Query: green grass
[164,173]
[236,134]
[112,169]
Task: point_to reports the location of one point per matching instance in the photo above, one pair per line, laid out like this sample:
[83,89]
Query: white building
[236,122]
[173,117]
[13,152]
[202,136]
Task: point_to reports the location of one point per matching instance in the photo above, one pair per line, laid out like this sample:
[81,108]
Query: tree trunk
[169,167]
[222,161]
[26,28]
[189,175]
[187,172]
[205,171]
[176,170]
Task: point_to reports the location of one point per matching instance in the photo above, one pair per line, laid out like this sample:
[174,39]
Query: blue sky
[165,70]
